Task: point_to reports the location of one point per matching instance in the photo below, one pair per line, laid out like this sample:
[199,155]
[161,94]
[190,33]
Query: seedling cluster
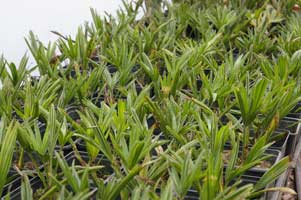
[195,100]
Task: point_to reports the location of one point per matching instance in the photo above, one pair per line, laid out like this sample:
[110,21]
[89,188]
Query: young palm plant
[8,135]
[45,57]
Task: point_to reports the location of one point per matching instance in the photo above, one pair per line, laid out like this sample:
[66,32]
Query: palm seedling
[75,177]
[118,186]
[68,94]
[184,101]
[96,123]
[41,144]
[98,26]
[202,52]
[136,99]
[284,8]
[174,119]
[225,20]
[79,52]
[15,74]
[46,59]
[109,90]
[215,138]
[262,106]
[250,101]
[171,81]
[199,24]
[12,81]
[120,55]
[41,93]
[258,44]
[290,34]
[221,17]
[218,86]
[6,107]
[94,126]
[135,144]
[78,183]
[284,75]
[181,21]
[175,77]
[8,135]
[151,39]
[89,86]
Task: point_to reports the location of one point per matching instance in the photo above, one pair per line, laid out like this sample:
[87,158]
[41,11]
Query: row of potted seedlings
[146,109]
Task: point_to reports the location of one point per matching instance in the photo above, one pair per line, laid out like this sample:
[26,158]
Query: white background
[18,17]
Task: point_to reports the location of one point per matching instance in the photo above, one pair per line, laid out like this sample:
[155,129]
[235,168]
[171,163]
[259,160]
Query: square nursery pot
[293,125]
[248,178]
[12,184]
[254,174]
[113,69]
[280,138]
[14,180]
[37,186]
[96,100]
[72,112]
[295,112]
[192,195]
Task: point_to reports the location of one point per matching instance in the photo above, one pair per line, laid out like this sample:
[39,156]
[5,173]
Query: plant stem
[21,158]
[246,138]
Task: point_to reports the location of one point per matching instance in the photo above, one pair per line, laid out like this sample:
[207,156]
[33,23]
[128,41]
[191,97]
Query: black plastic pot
[34,79]
[72,112]
[71,74]
[14,179]
[294,127]
[291,127]
[16,193]
[97,100]
[138,88]
[113,69]
[280,139]
[254,174]
[251,178]
[295,112]
[11,185]
[275,154]
[192,195]
[95,59]
[36,184]
[81,146]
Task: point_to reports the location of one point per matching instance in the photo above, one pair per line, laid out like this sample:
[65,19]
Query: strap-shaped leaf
[274,172]
[6,152]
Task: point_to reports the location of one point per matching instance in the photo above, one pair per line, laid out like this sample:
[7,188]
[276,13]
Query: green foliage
[8,140]
[187,98]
